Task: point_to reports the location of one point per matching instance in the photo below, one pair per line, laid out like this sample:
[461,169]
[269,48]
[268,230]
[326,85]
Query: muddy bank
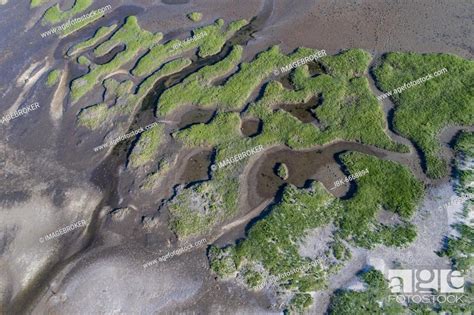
[193,116]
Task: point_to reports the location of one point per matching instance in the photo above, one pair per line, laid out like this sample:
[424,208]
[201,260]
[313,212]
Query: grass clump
[423,110]
[93,116]
[465,151]
[194,210]
[210,39]
[83,60]
[195,16]
[55,15]
[299,303]
[253,279]
[460,249]
[53,77]
[282,171]
[152,180]
[222,261]
[99,35]
[147,146]
[133,37]
[340,252]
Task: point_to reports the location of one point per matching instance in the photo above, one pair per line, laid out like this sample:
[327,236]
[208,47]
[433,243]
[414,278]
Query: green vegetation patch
[99,35]
[374,300]
[147,146]
[55,15]
[153,180]
[133,37]
[282,171]
[223,129]
[198,89]
[423,110]
[37,3]
[460,248]
[387,185]
[93,116]
[194,209]
[210,39]
[53,77]
[195,16]
[465,151]
[377,299]
[83,60]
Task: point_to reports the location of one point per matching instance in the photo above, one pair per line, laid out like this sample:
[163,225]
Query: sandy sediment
[27,80]
[56,109]
[42,197]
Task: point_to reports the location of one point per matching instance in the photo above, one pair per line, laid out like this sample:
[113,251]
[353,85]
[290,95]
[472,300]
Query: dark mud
[195,116]
[305,111]
[197,168]
[250,127]
[174,2]
[286,82]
